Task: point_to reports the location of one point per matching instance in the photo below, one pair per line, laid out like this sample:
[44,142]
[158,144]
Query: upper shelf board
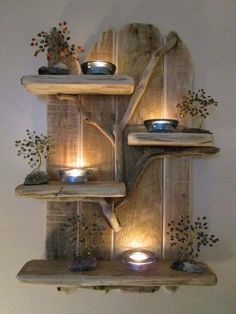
[79,84]
[111,274]
[170,139]
[56,191]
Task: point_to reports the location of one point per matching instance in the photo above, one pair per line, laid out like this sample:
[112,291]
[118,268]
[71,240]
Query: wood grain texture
[97,149]
[63,128]
[56,191]
[176,171]
[169,139]
[78,84]
[112,274]
[141,216]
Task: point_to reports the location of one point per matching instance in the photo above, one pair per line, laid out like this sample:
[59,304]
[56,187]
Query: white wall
[208,29]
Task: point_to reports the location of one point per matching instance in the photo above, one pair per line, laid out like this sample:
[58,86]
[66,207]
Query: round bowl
[161,125]
[146,259]
[98,68]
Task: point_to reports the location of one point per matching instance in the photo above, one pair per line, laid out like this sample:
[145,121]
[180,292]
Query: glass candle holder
[75,175]
[138,259]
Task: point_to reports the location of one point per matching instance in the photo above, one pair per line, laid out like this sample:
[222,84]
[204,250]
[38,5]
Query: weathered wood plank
[64,126]
[55,191]
[140,217]
[169,139]
[78,84]
[112,274]
[97,149]
[177,191]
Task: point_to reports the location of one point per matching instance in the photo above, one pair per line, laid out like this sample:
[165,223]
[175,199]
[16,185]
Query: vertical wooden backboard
[141,216]
[64,130]
[97,151]
[176,170]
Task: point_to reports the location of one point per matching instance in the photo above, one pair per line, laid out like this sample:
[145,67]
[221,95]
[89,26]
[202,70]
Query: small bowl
[76,175]
[146,259]
[98,68]
[161,125]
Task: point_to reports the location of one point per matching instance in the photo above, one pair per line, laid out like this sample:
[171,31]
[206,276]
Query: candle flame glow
[80,162]
[75,172]
[138,256]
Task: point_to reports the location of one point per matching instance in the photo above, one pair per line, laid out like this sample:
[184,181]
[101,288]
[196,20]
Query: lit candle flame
[75,172]
[138,256]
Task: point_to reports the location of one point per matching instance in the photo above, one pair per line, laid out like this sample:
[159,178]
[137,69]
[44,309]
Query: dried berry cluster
[190,237]
[56,43]
[196,104]
[82,236]
[34,148]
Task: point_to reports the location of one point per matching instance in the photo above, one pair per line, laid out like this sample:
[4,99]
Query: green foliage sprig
[56,42]
[82,236]
[35,148]
[196,104]
[190,237]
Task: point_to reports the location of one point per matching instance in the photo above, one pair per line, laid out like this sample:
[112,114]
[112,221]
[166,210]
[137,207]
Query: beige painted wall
[208,28]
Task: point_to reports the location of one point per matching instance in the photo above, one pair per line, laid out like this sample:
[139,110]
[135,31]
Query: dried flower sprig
[56,43]
[190,237]
[196,104]
[35,148]
[82,237]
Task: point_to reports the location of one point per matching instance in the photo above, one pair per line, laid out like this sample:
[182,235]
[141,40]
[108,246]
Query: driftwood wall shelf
[103,130]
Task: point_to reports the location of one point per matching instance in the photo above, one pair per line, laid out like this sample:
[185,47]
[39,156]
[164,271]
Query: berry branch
[190,237]
[35,148]
[56,43]
[196,104]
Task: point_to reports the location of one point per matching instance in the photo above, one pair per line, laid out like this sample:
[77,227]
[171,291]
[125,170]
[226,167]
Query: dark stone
[187,267]
[53,71]
[37,177]
[83,263]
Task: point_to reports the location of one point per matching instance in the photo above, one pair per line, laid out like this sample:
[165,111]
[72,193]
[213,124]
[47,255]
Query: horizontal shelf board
[57,191]
[170,139]
[114,274]
[78,84]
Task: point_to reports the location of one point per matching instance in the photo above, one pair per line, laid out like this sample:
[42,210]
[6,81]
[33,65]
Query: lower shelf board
[57,191]
[111,274]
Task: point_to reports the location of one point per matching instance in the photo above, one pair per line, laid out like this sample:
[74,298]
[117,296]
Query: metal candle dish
[76,175]
[98,68]
[138,259]
[161,125]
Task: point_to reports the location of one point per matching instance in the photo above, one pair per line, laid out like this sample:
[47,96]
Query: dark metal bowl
[161,125]
[98,68]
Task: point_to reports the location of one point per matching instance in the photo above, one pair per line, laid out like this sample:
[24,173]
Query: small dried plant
[190,237]
[56,42]
[34,147]
[82,236]
[196,104]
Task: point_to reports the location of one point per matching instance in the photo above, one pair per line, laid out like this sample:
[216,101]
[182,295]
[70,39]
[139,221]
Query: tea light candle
[76,175]
[138,259]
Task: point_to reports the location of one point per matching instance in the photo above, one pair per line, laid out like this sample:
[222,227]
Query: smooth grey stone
[187,267]
[37,177]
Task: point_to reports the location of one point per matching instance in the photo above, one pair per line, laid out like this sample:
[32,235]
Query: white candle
[75,172]
[138,256]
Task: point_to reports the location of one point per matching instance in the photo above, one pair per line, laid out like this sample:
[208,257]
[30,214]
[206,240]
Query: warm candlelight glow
[139,256]
[80,162]
[75,172]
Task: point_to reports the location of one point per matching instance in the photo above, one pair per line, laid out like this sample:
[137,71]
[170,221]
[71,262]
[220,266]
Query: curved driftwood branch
[87,116]
[172,40]
[108,211]
[155,153]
